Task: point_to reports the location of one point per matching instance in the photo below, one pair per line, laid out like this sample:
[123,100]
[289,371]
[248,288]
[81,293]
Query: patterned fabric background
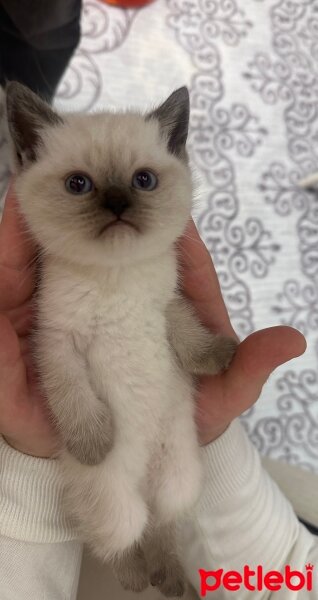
[252,68]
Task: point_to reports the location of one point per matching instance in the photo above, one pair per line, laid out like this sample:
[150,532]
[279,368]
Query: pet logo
[257,579]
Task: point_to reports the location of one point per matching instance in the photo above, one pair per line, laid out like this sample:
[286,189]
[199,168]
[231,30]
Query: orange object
[127,3]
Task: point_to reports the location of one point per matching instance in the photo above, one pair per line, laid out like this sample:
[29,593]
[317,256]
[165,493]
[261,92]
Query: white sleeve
[40,556]
[243,519]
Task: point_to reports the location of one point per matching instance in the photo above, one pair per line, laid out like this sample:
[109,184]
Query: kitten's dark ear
[27,114]
[173,116]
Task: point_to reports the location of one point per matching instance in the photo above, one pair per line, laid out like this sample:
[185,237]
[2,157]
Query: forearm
[243,519]
[40,555]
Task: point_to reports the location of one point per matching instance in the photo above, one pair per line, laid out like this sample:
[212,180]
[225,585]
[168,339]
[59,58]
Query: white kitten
[106,196]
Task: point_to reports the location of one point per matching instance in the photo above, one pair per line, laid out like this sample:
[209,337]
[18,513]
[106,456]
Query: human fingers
[257,357]
[201,284]
[228,395]
[13,386]
[24,420]
[17,252]
[22,317]
[16,246]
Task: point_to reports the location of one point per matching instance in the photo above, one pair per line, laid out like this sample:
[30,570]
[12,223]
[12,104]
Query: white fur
[117,320]
[102,330]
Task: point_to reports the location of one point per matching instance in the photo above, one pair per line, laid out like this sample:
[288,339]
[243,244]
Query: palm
[24,416]
[23,421]
[223,397]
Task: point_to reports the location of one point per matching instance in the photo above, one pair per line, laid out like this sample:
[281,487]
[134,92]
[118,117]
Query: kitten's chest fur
[107,307]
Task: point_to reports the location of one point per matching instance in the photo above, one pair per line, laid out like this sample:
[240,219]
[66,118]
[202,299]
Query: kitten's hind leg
[131,569]
[176,482]
[105,504]
[165,570]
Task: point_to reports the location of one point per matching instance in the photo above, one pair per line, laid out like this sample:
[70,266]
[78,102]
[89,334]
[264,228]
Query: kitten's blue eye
[144,180]
[78,184]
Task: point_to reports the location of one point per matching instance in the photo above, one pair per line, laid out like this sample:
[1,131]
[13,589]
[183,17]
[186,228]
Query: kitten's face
[105,189]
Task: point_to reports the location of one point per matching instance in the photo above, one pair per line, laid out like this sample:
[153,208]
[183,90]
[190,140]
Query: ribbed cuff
[31,498]
[229,462]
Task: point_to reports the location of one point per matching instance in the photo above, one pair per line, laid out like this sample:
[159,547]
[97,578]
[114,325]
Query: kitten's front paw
[218,356]
[91,443]
[89,450]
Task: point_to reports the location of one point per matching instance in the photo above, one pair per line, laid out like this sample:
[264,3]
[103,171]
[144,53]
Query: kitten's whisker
[187,236]
[25,269]
[31,262]
[185,253]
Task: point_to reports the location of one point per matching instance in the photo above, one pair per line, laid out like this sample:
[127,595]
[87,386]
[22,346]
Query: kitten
[106,196]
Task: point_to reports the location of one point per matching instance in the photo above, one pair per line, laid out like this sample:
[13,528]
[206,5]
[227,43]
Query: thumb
[256,358]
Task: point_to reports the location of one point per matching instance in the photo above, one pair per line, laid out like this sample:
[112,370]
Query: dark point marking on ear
[173,116]
[27,115]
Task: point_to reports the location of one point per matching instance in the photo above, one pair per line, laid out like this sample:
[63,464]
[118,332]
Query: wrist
[230,461]
[36,451]
[210,435]
[31,505]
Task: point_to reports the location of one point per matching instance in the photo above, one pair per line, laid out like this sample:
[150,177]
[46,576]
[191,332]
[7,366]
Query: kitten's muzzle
[116,201]
[118,222]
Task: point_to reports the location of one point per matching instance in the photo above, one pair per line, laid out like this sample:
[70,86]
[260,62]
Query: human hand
[24,421]
[224,397]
